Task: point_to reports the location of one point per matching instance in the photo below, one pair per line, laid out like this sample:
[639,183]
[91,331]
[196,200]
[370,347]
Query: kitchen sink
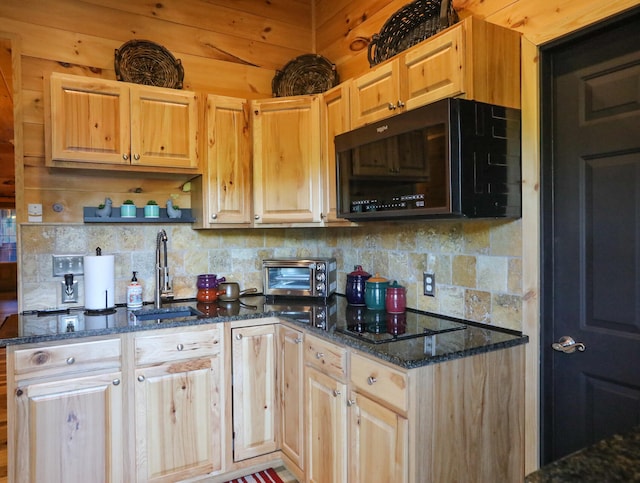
[166,313]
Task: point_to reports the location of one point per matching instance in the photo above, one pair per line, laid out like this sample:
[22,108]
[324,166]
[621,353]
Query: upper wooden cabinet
[102,124]
[222,197]
[335,120]
[286,160]
[473,59]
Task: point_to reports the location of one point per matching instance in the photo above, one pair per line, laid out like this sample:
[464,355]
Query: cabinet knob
[136,156]
[238,336]
[319,355]
[392,106]
[214,216]
[116,382]
[400,104]
[256,217]
[298,340]
[336,393]
[179,347]
[351,402]
[125,156]
[371,380]
[70,360]
[141,378]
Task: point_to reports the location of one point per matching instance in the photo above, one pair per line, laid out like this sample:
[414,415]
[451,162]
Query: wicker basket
[410,25]
[306,74]
[145,62]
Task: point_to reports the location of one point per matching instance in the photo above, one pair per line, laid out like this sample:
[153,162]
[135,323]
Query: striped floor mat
[267,476]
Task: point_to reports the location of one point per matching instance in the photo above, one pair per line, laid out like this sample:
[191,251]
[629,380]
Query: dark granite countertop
[461,339]
[614,459]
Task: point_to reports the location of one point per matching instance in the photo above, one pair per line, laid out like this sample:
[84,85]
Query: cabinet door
[254,391]
[70,430]
[89,121]
[376,94]
[178,419]
[335,120]
[291,394]
[164,127]
[378,443]
[326,428]
[286,160]
[435,69]
[228,170]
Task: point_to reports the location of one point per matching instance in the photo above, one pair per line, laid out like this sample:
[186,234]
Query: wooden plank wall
[231,48]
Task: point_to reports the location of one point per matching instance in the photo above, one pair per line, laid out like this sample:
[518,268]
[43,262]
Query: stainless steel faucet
[163,287]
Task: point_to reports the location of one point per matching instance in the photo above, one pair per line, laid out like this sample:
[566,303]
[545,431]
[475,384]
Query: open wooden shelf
[89,214]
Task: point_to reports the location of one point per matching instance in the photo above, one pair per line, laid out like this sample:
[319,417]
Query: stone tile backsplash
[477,264]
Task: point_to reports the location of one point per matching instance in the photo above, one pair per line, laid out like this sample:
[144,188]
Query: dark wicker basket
[145,62]
[408,26]
[306,74]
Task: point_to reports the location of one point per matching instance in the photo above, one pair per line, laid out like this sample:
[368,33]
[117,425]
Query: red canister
[396,299]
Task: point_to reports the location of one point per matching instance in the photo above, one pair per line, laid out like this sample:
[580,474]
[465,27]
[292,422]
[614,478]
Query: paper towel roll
[99,282]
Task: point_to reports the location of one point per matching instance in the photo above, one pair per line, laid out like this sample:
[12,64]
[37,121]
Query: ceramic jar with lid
[396,298]
[208,290]
[354,291]
[375,292]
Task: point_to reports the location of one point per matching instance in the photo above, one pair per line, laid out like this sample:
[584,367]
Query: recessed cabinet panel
[287,177]
[89,119]
[228,161]
[254,391]
[375,94]
[435,69]
[164,128]
[69,430]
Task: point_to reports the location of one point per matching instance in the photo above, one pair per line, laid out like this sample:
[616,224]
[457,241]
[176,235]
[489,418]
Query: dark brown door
[591,227]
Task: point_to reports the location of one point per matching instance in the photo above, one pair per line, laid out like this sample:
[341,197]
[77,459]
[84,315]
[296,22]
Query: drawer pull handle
[239,337]
[371,380]
[179,347]
[141,378]
[319,355]
[116,382]
[336,393]
[70,360]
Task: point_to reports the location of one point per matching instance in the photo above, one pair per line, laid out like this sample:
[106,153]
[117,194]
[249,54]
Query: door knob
[567,345]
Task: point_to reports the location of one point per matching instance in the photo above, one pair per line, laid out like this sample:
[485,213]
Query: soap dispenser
[134,293]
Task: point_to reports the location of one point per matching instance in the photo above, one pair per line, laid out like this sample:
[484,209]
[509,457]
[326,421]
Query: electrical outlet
[429,284]
[64,264]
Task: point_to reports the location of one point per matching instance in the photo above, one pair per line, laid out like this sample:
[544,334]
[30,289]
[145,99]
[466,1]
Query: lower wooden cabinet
[65,412]
[326,440]
[177,405]
[290,377]
[378,442]
[253,352]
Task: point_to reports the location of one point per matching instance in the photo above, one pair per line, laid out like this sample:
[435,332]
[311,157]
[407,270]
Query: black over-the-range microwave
[452,158]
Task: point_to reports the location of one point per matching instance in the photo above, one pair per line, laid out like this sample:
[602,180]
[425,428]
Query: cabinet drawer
[173,346]
[379,381]
[65,358]
[326,356]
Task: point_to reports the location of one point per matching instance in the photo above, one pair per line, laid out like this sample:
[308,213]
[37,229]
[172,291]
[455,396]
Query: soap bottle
[134,293]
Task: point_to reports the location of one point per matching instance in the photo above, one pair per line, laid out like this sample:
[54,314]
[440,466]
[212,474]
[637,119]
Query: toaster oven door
[288,280]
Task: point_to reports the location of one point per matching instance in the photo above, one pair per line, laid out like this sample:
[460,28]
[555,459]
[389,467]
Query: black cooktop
[380,327]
